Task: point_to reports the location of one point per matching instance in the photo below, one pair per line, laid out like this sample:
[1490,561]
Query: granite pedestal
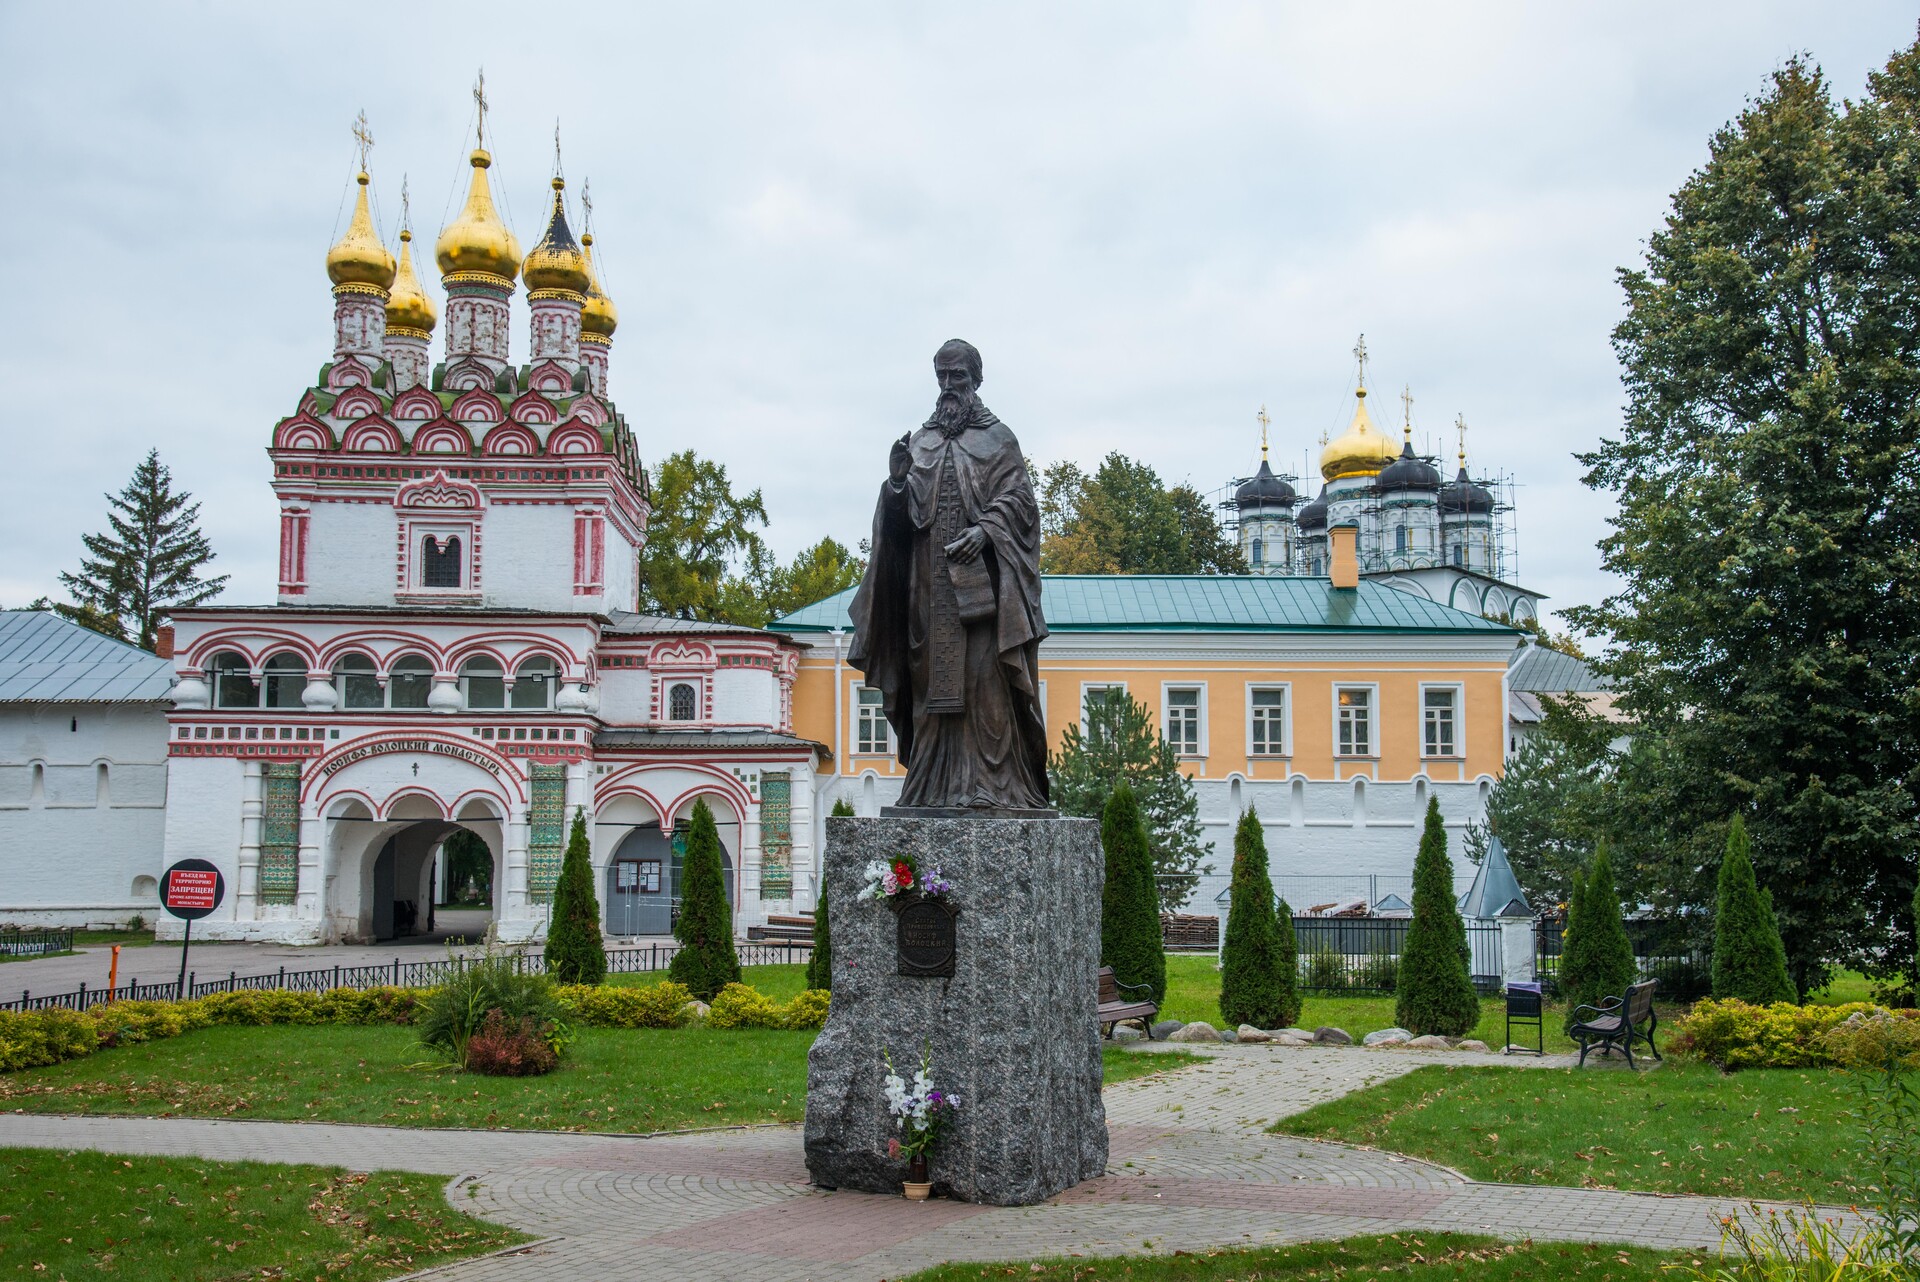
[1012,1031]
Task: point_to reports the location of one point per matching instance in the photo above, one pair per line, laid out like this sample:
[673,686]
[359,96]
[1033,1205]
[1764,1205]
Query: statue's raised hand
[900,461]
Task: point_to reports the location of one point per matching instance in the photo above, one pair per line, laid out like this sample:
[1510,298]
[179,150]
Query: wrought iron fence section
[1363,954]
[35,941]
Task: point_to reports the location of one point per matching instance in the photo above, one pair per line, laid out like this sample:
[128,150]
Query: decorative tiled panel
[280,833]
[776,836]
[547,829]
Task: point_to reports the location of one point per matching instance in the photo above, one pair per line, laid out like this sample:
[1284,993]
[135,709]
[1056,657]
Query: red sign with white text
[193,888]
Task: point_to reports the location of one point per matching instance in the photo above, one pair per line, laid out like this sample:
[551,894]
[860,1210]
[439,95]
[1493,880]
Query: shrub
[1325,971]
[31,1039]
[386,1005]
[1130,939]
[653,1006]
[1871,1040]
[1596,961]
[130,1023]
[575,953]
[706,962]
[1434,989]
[261,1006]
[1749,961]
[1258,985]
[808,1010]
[738,1006]
[1735,1034]
[1380,971]
[450,1015]
[510,1048]
[820,964]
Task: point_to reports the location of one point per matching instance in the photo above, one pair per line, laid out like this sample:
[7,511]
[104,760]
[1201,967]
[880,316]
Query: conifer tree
[706,962]
[1120,741]
[1259,980]
[1749,961]
[147,563]
[1596,961]
[575,953]
[1130,939]
[820,965]
[1433,992]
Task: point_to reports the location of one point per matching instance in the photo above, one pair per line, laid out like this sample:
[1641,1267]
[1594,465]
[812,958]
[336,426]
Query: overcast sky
[1151,218]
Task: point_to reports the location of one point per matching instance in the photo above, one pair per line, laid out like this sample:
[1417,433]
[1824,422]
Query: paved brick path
[1191,1168]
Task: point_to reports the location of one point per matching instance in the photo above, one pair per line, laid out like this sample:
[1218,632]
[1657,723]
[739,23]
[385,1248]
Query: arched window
[534,681]
[440,562]
[232,680]
[680,702]
[1400,538]
[410,682]
[483,682]
[285,678]
[1255,557]
[359,688]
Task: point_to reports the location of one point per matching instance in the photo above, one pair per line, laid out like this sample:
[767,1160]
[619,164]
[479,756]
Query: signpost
[190,889]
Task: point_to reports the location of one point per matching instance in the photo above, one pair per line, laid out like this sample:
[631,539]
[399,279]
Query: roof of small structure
[47,659]
[1495,891]
[1207,603]
[1537,670]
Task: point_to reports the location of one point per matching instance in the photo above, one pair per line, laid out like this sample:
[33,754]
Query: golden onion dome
[1361,450]
[359,259]
[556,262]
[599,316]
[409,308]
[477,241]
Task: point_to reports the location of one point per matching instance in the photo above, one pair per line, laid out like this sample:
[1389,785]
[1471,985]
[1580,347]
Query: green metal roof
[1206,603]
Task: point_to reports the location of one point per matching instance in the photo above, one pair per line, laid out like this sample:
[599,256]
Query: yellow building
[1336,710]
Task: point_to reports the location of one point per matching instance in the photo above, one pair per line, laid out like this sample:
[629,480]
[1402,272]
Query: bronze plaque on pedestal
[925,934]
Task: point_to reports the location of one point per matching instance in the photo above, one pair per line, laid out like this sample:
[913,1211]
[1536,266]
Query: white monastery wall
[746,696]
[351,554]
[526,558]
[624,694]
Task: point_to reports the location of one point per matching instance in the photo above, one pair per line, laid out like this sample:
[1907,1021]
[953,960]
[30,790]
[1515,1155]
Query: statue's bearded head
[957,366]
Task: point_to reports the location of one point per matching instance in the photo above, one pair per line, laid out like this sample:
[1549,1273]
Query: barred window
[680,702]
[1269,720]
[440,562]
[1356,721]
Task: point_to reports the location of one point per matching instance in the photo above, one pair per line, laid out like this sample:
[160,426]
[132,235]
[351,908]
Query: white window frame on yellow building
[1286,720]
[1459,692]
[1373,721]
[1201,730]
[1086,687]
[853,730]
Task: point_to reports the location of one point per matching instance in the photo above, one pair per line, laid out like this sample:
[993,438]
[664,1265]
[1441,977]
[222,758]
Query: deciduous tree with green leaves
[1130,937]
[699,535]
[148,561]
[1124,520]
[706,961]
[575,952]
[1433,991]
[1767,516]
[1749,961]
[1120,742]
[1259,970]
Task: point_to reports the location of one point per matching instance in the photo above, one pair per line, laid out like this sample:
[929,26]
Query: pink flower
[893,1148]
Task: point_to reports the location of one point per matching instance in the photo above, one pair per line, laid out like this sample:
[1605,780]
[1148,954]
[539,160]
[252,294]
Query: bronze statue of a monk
[947,623]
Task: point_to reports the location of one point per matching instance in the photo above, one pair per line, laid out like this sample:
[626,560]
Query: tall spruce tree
[1120,742]
[820,964]
[1596,959]
[1259,979]
[1130,936]
[1765,507]
[1749,961]
[1433,992]
[575,952]
[706,961]
[147,562]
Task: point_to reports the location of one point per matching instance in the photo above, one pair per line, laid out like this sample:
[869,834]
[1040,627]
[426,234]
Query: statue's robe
[992,752]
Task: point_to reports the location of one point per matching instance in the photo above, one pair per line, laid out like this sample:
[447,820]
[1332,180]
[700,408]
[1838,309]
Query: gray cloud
[1152,219]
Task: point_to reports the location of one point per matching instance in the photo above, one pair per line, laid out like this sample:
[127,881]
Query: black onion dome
[1314,515]
[1264,489]
[1409,472]
[1465,496]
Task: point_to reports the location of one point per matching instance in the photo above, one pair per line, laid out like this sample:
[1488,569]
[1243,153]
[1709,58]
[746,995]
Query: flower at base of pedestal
[903,875]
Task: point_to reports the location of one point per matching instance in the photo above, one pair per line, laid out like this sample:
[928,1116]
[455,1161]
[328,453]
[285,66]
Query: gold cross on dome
[480,106]
[406,206]
[1406,402]
[557,172]
[586,204]
[363,136]
[1360,355]
[1264,420]
[1460,427]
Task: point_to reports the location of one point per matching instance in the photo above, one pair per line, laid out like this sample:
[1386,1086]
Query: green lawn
[1405,1257]
[782,983]
[614,1080]
[1773,1133]
[104,938]
[1845,986]
[149,1219]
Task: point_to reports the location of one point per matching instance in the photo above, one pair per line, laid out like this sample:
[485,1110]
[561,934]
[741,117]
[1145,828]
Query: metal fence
[36,941]
[399,974]
[1362,954]
[1663,947]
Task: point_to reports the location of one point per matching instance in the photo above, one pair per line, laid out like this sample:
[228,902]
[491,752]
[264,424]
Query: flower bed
[1734,1034]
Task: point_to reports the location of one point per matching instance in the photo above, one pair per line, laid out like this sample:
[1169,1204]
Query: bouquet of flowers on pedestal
[921,1111]
[903,877]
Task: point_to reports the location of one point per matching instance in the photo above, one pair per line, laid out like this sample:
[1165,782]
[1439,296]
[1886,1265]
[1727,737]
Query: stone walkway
[1192,1168]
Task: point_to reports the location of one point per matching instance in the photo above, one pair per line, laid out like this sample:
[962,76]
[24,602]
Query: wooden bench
[1115,1011]
[1616,1022]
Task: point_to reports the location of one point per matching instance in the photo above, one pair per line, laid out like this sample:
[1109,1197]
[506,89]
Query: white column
[308,897]
[246,895]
